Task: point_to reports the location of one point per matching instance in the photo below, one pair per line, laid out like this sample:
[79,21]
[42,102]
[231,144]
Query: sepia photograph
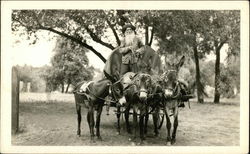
[125,77]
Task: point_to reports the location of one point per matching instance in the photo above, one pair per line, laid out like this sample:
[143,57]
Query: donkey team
[144,92]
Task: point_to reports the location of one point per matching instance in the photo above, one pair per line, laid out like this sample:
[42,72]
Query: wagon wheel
[160,120]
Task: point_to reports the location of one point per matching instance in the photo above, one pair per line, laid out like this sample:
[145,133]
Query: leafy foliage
[230,77]
[190,32]
[69,65]
[31,74]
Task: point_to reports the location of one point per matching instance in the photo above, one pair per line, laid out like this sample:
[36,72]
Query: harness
[111,93]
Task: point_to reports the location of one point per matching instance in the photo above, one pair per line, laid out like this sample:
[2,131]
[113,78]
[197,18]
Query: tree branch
[64,35]
[75,40]
[20,22]
[222,43]
[37,20]
[115,33]
[98,40]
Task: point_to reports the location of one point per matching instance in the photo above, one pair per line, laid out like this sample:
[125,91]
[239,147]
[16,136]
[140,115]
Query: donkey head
[143,84]
[170,77]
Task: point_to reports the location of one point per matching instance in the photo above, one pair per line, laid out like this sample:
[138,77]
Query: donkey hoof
[129,131]
[99,138]
[168,143]
[132,139]
[133,144]
[173,141]
[78,133]
[141,142]
[92,138]
[92,141]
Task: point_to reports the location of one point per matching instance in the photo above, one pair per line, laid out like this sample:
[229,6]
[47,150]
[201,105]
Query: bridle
[112,92]
[175,89]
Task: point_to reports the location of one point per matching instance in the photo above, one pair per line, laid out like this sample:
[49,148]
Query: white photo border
[8,6]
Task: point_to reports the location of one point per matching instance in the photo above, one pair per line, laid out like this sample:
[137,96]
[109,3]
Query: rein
[175,90]
[111,92]
[101,98]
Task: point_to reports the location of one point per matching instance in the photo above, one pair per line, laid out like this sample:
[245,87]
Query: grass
[51,120]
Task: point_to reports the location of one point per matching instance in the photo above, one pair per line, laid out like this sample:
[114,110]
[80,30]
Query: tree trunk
[146,35]
[114,32]
[197,76]
[62,87]
[67,88]
[217,77]
[151,37]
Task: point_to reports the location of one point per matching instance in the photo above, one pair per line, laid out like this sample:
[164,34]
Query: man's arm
[124,49]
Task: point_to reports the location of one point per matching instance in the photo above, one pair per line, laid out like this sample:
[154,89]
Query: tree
[85,26]
[25,73]
[80,26]
[230,77]
[207,72]
[190,32]
[224,28]
[146,21]
[69,65]
[32,75]
[183,32]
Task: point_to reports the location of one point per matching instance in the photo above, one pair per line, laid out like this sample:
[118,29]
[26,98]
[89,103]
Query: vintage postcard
[124,76]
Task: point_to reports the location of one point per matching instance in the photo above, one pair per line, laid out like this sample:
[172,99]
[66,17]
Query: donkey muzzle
[122,100]
[168,92]
[143,94]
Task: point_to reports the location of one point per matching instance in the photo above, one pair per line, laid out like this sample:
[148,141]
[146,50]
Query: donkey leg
[141,125]
[118,115]
[127,120]
[135,121]
[98,119]
[175,126]
[91,122]
[146,121]
[168,125]
[155,121]
[79,119]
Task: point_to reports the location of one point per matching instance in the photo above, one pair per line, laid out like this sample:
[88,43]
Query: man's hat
[127,26]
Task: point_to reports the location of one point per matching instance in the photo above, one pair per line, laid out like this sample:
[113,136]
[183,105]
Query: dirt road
[54,123]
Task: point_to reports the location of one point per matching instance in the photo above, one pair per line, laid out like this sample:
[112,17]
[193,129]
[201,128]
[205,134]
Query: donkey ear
[181,62]
[132,75]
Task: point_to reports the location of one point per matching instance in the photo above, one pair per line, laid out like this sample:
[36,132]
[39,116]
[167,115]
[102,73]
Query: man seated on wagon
[130,48]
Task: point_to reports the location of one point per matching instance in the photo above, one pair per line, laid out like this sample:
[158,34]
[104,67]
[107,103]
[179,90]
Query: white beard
[129,38]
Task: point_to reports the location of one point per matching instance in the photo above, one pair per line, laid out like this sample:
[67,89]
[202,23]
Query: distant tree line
[69,65]
[29,74]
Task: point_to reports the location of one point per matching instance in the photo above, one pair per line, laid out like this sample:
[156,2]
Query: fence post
[15,101]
